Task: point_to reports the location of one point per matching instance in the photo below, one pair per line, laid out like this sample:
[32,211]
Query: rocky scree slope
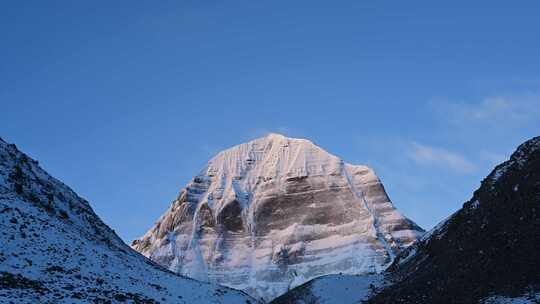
[54,249]
[273,213]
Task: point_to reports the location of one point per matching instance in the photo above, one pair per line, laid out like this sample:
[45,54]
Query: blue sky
[126,101]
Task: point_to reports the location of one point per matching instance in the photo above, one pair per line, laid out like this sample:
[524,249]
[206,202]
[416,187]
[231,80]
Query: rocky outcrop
[275,212]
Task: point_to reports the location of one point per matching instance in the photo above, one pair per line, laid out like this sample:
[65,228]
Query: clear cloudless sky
[125,101]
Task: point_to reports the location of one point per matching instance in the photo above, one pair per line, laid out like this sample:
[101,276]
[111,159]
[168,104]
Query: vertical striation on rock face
[275,212]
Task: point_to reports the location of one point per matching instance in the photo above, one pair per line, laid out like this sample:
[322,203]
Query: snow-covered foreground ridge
[54,249]
[275,212]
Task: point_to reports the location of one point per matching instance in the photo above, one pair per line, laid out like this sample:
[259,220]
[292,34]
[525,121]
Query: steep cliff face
[272,213]
[488,251]
[55,249]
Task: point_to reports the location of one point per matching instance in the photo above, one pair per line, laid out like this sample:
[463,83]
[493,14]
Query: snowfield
[343,289]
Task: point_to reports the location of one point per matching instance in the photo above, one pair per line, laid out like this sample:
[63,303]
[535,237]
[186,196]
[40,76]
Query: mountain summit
[273,213]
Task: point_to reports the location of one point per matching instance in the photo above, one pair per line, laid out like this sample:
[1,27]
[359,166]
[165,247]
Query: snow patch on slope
[336,288]
[528,299]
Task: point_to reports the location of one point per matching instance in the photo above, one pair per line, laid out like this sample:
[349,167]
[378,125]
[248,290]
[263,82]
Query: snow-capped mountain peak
[272,213]
[273,156]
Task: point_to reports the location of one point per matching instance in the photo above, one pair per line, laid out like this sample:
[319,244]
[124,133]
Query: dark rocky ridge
[489,247]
